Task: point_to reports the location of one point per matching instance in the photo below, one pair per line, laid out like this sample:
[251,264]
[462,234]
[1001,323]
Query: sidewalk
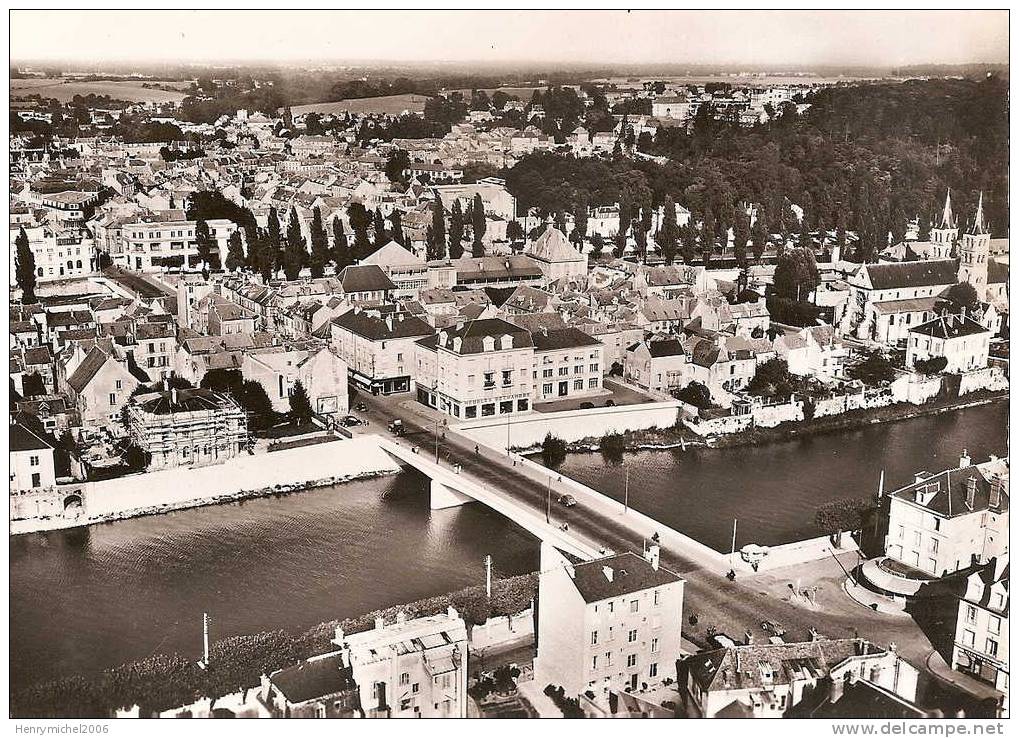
[937,666]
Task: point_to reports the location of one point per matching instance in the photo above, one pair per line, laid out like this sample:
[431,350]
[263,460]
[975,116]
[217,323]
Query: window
[546,373]
[654,646]
[36,480]
[631,637]
[994,625]
[119,383]
[488,409]
[578,369]
[634,605]
[546,389]
[971,614]
[657,597]
[471,411]
[505,407]
[592,383]
[594,637]
[113,399]
[593,368]
[612,607]
[578,384]
[934,545]
[564,371]
[992,647]
[902,531]
[33,461]
[594,662]
[631,660]
[320,711]
[404,679]
[968,637]
[652,672]
[522,405]
[489,380]
[507,377]
[916,538]
[399,356]
[415,688]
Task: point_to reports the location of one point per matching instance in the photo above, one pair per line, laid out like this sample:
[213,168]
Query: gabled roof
[949,326]
[630,573]
[365,278]
[313,679]
[394,255]
[668,347]
[553,247]
[942,272]
[472,335]
[373,326]
[945,493]
[24,439]
[562,338]
[87,369]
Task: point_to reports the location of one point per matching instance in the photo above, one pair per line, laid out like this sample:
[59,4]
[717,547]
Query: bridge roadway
[730,607]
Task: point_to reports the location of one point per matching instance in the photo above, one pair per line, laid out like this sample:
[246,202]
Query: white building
[556,256]
[57,255]
[151,245]
[31,458]
[960,340]
[568,363]
[607,625]
[981,635]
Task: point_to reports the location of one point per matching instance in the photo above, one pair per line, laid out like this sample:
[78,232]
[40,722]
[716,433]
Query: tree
[479,226]
[553,450]
[963,296]
[695,394]
[295,253]
[759,235]
[436,246]
[514,231]
[796,274]
[274,241]
[204,242]
[235,252]
[256,403]
[396,165]
[772,379]
[456,231]
[708,228]
[360,222]
[931,366]
[741,234]
[667,237]
[597,245]
[579,224]
[688,247]
[24,267]
[396,226]
[559,221]
[319,244]
[838,517]
[341,251]
[300,404]
[613,445]
[874,370]
[840,233]
[379,230]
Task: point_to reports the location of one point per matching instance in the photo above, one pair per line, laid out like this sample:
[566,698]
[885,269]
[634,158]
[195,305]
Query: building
[378,348]
[408,273]
[153,243]
[768,680]
[58,255]
[155,346]
[941,523]
[321,372]
[187,427]
[476,369]
[496,198]
[410,668]
[659,366]
[556,256]
[366,284]
[607,625]
[31,459]
[497,271]
[975,253]
[568,363]
[981,635]
[99,387]
[321,687]
[961,341]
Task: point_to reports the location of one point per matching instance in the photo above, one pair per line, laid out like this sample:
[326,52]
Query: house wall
[583,365]
[561,627]
[26,464]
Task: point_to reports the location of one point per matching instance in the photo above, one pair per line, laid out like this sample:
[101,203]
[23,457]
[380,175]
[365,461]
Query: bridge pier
[442,496]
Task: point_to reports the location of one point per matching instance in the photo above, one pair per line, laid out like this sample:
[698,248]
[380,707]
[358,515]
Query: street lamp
[548,502]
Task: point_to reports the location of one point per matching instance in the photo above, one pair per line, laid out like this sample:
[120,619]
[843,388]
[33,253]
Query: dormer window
[506,342]
[489,343]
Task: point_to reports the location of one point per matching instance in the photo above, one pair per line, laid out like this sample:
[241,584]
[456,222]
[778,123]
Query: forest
[869,158]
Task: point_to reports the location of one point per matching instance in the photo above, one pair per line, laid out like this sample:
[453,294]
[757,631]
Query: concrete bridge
[451,486]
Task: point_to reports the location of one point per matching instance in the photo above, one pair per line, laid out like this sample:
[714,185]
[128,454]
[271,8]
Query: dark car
[586,405]
[567,500]
[396,428]
[361,407]
[352,420]
[610,403]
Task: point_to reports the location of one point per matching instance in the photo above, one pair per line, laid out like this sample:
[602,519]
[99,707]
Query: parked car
[396,428]
[352,420]
[361,407]
[567,500]
[610,402]
[586,405]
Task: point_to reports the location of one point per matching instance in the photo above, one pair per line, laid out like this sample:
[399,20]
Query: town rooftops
[371,324]
[618,575]
[24,439]
[668,347]
[759,666]
[949,326]
[494,268]
[961,491]
[912,274]
[562,338]
[469,337]
[313,679]
[365,278]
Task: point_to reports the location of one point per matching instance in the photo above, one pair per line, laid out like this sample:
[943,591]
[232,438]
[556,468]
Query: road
[735,608]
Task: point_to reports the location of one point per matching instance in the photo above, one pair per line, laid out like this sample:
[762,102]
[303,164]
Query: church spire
[947,219]
[979,227]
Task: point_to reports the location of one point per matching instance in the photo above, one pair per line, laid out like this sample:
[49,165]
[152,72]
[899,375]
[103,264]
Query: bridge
[452,486]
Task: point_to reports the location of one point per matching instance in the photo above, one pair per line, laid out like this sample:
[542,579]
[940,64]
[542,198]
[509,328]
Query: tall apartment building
[152,243]
[58,255]
[607,625]
[567,363]
[981,634]
[190,427]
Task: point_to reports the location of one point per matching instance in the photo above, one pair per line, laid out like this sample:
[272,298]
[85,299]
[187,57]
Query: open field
[390,105]
[65,89]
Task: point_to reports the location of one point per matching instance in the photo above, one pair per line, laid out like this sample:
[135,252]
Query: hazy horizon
[755,40]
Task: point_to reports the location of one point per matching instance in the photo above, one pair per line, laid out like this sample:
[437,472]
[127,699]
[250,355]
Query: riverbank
[247,477]
[166,681]
[681,438]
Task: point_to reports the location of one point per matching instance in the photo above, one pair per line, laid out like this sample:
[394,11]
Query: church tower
[943,237]
[974,252]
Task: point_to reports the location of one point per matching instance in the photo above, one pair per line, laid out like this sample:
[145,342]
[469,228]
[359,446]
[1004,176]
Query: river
[87,599]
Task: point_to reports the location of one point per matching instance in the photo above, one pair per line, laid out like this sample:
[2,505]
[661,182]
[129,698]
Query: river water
[87,599]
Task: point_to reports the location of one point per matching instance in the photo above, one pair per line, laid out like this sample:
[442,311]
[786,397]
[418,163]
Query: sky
[778,40]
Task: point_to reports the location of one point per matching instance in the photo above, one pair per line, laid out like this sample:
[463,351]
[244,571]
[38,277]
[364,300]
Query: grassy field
[64,89]
[391,105]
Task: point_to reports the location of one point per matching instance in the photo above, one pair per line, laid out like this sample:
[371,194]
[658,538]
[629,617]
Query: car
[586,405]
[396,428]
[567,500]
[361,407]
[610,403]
[352,420]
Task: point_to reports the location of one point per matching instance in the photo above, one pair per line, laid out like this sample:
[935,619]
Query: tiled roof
[366,278]
[371,325]
[87,369]
[949,326]
[913,274]
[563,338]
[317,678]
[630,573]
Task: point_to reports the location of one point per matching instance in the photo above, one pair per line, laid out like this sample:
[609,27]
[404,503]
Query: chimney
[379,623]
[997,487]
[653,554]
[173,396]
[607,571]
[389,322]
[838,688]
[452,613]
[338,635]
[964,460]
[971,492]
[401,617]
